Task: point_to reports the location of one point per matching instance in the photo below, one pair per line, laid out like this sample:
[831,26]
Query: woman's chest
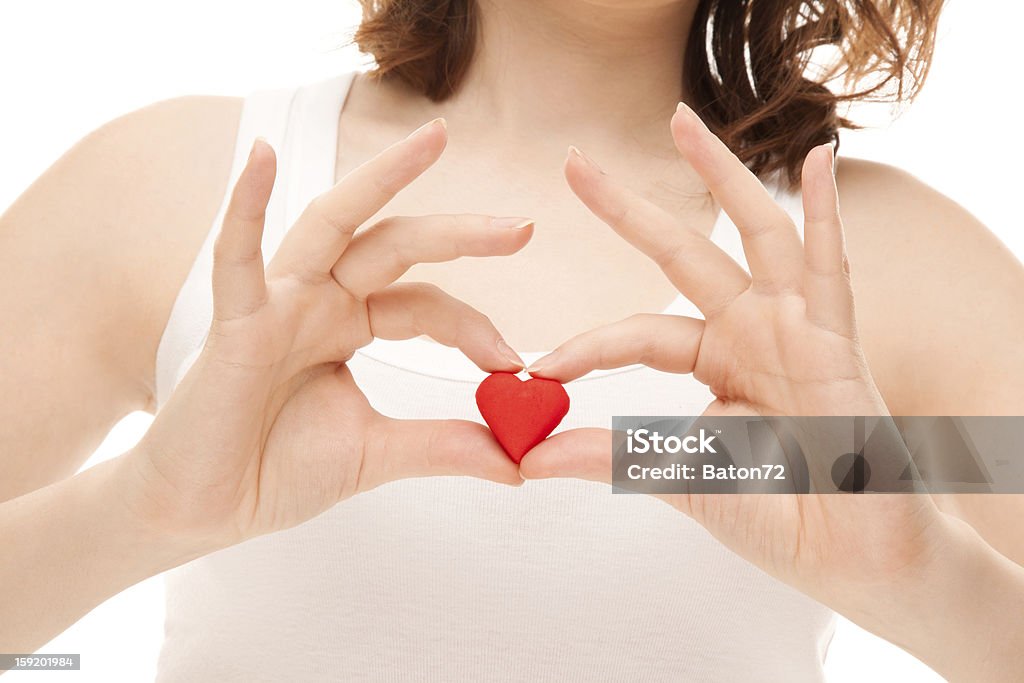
[574,274]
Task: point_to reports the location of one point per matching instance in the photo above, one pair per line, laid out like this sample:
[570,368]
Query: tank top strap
[301,125]
[788,198]
[310,152]
[726,235]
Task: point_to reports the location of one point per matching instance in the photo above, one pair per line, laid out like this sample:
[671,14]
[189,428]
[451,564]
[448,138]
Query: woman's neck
[575,66]
[548,73]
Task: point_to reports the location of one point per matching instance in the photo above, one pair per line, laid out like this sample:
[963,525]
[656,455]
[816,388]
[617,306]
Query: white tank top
[457,579]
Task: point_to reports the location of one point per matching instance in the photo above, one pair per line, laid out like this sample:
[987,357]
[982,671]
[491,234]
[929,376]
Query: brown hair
[747,67]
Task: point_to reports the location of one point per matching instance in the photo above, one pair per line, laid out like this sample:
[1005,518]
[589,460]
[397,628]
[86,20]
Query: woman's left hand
[779,341]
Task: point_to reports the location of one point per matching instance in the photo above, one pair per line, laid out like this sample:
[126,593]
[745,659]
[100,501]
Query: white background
[67,66]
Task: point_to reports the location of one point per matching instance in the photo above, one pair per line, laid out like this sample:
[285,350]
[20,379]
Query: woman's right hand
[268,428]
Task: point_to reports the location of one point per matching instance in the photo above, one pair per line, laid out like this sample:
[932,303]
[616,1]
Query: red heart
[521,414]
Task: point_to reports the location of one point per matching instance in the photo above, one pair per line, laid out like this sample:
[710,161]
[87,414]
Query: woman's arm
[959,610]
[69,546]
[268,428]
[938,298]
[783,340]
[91,258]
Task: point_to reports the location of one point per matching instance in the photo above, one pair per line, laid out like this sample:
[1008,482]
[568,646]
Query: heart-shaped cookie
[521,414]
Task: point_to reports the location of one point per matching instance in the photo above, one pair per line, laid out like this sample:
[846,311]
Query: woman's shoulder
[126,209]
[897,224]
[869,189]
[888,212]
[176,148]
[154,176]
[937,292]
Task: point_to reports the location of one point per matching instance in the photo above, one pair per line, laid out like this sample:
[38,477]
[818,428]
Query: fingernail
[685,108]
[509,355]
[427,126]
[539,364]
[259,141]
[689,113]
[510,223]
[576,152]
[831,157]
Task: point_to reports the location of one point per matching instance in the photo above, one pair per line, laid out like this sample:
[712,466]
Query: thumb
[403,449]
[577,453]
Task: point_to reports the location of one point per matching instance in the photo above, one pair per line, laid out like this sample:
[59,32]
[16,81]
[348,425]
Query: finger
[324,229]
[586,454]
[664,342]
[696,266]
[407,310]
[239,285]
[827,289]
[404,449]
[770,239]
[380,255]
[577,453]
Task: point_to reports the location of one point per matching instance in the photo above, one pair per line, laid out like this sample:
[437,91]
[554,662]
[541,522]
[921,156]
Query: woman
[279,397]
